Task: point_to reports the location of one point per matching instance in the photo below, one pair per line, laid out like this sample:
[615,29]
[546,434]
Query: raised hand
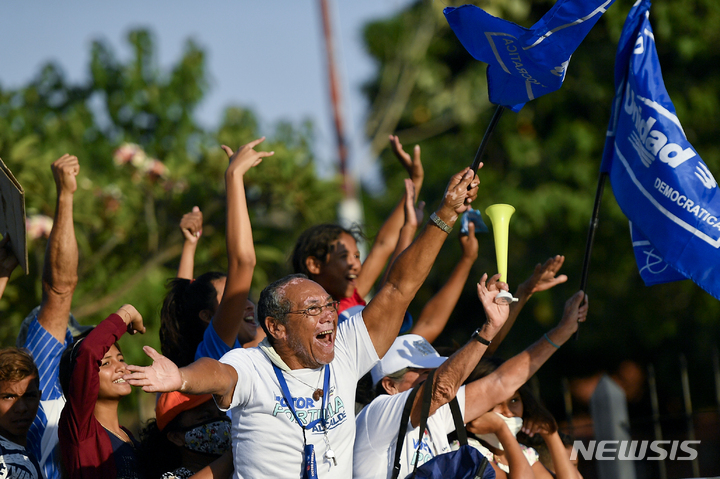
[496,313]
[544,277]
[65,170]
[420,212]
[469,243]
[162,376]
[413,215]
[489,423]
[245,157]
[191,225]
[532,426]
[574,313]
[459,194]
[132,318]
[8,261]
[413,165]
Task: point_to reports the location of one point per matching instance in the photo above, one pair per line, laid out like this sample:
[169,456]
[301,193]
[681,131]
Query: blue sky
[267,55]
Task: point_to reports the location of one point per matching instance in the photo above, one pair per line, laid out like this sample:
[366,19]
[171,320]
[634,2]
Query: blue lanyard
[291,403]
[309,464]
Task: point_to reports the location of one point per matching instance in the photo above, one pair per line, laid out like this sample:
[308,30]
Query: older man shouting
[292,398]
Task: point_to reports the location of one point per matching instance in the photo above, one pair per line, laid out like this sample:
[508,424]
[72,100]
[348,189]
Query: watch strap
[476,336]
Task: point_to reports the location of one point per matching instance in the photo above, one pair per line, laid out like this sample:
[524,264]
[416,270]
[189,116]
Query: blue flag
[658,179]
[524,64]
[653,269]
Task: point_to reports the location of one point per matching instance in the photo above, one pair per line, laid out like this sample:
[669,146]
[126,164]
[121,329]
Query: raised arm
[413,216]
[60,277]
[564,469]
[387,238]
[204,376]
[191,227]
[83,385]
[384,314]
[8,262]
[241,251]
[453,372]
[483,394]
[544,277]
[436,312]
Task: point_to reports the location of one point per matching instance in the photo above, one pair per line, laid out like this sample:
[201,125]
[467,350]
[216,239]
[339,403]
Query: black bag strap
[403,429]
[458,420]
[424,413]
[462,434]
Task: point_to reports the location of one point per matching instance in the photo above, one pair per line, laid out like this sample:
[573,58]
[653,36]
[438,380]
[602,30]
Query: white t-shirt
[266,440]
[377,429]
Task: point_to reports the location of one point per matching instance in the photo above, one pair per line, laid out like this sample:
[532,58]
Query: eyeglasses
[315,310]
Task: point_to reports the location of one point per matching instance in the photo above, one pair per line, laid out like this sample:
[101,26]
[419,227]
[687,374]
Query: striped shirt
[15,462]
[46,350]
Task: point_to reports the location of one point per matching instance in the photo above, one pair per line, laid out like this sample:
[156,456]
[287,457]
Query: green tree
[145,162]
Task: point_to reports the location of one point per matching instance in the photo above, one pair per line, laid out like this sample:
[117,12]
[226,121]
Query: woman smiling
[92,442]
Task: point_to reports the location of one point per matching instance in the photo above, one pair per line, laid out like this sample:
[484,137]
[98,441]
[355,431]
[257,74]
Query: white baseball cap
[408,351]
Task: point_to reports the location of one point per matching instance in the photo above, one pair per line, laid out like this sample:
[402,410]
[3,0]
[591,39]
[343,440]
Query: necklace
[318,392]
[126,439]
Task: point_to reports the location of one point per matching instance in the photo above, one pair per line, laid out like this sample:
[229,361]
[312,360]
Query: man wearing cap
[407,364]
[292,399]
[45,331]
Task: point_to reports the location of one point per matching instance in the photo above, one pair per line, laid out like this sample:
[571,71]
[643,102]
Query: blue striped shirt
[46,350]
[16,463]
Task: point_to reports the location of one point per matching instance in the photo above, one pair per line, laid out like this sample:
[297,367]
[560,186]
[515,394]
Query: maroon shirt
[87,452]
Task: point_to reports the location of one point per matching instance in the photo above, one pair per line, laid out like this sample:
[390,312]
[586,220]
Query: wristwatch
[440,223]
[476,336]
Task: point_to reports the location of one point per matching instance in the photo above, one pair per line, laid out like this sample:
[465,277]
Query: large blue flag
[653,269]
[524,64]
[658,179]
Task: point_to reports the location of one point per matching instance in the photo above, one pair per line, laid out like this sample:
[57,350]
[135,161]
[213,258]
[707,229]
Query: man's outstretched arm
[437,311]
[389,234]
[204,376]
[60,276]
[384,314]
[453,372]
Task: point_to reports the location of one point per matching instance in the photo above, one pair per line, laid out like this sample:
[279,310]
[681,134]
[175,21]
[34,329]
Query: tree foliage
[144,162]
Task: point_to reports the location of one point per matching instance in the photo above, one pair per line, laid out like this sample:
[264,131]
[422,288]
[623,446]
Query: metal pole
[716,371]
[488,133]
[656,415]
[591,235]
[688,409]
[336,100]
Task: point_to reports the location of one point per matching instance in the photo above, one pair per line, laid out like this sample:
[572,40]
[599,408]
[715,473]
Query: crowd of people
[313,381]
